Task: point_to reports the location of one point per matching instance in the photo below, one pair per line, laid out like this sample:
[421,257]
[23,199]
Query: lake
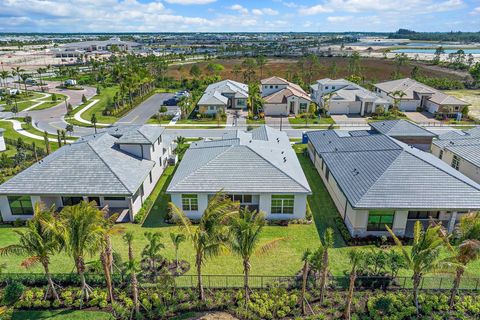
[467,51]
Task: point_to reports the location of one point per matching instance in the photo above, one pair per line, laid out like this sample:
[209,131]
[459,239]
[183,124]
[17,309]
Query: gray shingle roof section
[375,174]
[240,163]
[91,166]
[400,128]
[471,152]
[141,134]
[451,138]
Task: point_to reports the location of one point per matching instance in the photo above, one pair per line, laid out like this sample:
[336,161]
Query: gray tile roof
[465,144]
[380,172]
[146,134]
[241,163]
[470,152]
[93,165]
[400,128]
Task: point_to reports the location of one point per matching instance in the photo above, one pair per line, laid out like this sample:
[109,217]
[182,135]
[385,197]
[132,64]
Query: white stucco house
[375,180]
[3,147]
[460,150]
[226,94]
[117,168]
[419,95]
[345,97]
[258,168]
[283,98]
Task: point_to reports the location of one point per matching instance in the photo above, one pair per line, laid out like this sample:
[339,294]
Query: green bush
[12,293]
[308,214]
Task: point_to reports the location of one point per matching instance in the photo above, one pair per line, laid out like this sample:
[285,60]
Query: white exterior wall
[3,147]
[211,109]
[409,105]
[431,106]
[465,167]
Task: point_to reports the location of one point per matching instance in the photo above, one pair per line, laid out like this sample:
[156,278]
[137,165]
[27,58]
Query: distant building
[405,131]
[76,49]
[460,150]
[420,96]
[117,168]
[282,98]
[345,97]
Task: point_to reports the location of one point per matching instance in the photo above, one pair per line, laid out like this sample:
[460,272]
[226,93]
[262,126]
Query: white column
[451,223]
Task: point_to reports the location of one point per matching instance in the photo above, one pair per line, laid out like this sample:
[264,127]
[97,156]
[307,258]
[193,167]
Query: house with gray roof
[222,95]
[375,180]
[461,150]
[283,98]
[257,168]
[118,168]
[405,131]
[340,96]
[417,95]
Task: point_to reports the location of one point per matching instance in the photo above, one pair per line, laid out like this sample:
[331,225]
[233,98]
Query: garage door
[409,105]
[274,110]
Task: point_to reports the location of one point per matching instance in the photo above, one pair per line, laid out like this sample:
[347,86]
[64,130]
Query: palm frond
[270,245]
[30,262]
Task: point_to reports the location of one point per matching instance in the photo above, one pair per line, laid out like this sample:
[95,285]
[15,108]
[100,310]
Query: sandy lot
[472,97]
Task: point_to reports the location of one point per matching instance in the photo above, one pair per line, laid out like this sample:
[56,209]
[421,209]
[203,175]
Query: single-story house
[420,96]
[282,98]
[222,95]
[405,131]
[461,150]
[258,168]
[345,97]
[375,180]
[118,168]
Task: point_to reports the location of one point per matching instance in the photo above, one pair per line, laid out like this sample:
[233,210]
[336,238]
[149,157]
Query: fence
[259,282]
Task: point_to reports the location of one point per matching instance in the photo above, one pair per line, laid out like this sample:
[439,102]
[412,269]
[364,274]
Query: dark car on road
[170,102]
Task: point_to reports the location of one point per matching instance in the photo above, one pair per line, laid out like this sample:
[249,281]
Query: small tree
[177,239]
[355,258]
[151,253]
[47,142]
[28,120]
[69,109]
[306,259]
[84,99]
[93,120]
[328,242]
[69,128]
[132,270]
[54,97]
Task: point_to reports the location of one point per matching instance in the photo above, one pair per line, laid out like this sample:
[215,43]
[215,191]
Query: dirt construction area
[470,96]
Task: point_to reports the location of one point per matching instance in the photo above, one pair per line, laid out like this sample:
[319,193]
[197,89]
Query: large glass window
[242,198]
[455,162]
[189,202]
[423,214]
[283,204]
[114,198]
[20,205]
[303,107]
[377,219]
[71,201]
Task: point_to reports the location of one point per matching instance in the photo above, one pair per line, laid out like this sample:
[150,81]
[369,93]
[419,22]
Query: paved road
[277,122]
[145,110]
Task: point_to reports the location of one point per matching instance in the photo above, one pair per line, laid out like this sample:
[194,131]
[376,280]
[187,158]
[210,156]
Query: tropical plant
[305,259]
[327,244]
[81,230]
[151,253]
[38,242]
[468,250]
[93,120]
[397,98]
[211,234]
[424,255]
[355,258]
[177,239]
[132,269]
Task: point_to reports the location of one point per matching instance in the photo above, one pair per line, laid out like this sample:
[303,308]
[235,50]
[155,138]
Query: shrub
[54,97]
[308,214]
[340,224]
[18,223]
[12,293]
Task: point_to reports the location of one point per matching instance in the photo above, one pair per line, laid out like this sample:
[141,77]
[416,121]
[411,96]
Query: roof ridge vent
[284,159]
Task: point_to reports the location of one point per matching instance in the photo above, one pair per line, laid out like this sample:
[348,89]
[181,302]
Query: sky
[237,15]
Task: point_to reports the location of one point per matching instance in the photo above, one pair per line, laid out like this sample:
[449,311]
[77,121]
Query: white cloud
[265,11]
[310,11]
[475,11]
[188,2]
[336,19]
[239,8]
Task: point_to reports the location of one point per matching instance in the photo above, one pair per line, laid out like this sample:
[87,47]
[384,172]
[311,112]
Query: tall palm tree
[132,269]
[245,229]
[4,75]
[177,239]
[397,98]
[468,237]
[17,71]
[24,77]
[327,244]
[424,256]
[355,257]
[38,243]
[211,234]
[81,228]
[151,252]
[306,262]
[93,120]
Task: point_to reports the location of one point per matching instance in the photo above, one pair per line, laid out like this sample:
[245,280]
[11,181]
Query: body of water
[432,51]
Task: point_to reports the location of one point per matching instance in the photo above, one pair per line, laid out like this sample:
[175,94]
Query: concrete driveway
[236,118]
[349,119]
[421,117]
[277,122]
[146,109]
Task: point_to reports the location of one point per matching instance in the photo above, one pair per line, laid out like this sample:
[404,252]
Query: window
[303,107]
[189,202]
[271,87]
[423,214]
[71,201]
[377,220]
[326,87]
[241,102]
[21,205]
[242,198]
[150,176]
[283,204]
[276,87]
[114,198]
[96,199]
[440,155]
[455,162]
[333,87]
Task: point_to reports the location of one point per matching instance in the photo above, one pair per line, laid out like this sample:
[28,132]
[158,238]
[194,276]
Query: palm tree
[132,269]
[356,258]
[17,71]
[211,234]
[24,77]
[327,244]
[306,262]
[39,243]
[177,239]
[261,62]
[81,228]
[4,75]
[151,252]
[93,120]
[397,97]
[468,235]
[424,256]
[245,229]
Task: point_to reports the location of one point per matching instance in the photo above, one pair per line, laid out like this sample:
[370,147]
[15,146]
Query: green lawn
[252,121]
[61,315]
[323,120]
[12,134]
[106,95]
[201,121]
[24,102]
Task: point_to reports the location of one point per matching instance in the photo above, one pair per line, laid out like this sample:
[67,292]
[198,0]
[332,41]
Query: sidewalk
[17,126]
[78,116]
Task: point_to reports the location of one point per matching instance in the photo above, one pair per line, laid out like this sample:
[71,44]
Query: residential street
[145,110]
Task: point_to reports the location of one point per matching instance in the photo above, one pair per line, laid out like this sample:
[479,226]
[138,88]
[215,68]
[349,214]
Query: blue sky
[231,15]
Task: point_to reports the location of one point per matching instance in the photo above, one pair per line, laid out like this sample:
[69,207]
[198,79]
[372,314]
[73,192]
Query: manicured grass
[106,95]
[61,315]
[201,121]
[24,102]
[252,121]
[12,134]
[323,120]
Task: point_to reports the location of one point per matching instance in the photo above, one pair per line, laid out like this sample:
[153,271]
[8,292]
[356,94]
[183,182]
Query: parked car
[181,94]
[31,81]
[170,102]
